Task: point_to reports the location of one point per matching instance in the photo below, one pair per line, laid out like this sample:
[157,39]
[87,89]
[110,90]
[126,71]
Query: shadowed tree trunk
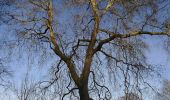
[83,92]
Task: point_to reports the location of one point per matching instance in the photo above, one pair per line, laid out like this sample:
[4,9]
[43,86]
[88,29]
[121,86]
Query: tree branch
[108,6]
[90,50]
[130,34]
[56,48]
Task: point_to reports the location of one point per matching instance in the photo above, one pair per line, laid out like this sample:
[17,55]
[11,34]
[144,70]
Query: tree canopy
[96,43]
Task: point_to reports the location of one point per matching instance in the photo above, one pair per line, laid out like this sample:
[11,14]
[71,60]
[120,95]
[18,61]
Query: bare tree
[26,90]
[29,90]
[4,69]
[4,73]
[130,96]
[91,38]
[165,91]
[4,8]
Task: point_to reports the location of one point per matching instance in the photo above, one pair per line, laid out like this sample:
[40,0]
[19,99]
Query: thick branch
[56,48]
[131,34]
[90,50]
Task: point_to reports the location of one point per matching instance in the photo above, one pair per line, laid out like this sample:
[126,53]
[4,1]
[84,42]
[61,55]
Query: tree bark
[83,92]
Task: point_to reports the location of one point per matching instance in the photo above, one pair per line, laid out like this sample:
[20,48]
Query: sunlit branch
[130,34]
[89,54]
[108,6]
[56,48]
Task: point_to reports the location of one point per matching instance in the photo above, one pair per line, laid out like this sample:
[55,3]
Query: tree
[165,91]
[130,96]
[25,91]
[4,7]
[4,69]
[4,73]
[91,38]
[29,90]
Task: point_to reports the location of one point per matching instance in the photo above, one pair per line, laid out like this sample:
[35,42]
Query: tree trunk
[83,92]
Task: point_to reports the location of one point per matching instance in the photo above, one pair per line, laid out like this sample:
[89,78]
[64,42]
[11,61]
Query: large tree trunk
[83,92]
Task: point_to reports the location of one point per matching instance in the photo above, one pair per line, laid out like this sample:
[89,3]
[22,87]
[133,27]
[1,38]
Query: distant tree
[4,73]
[4,9]
[28,90]
[130,96]
[25,91]
[93,41]
[4,70]
[165,91]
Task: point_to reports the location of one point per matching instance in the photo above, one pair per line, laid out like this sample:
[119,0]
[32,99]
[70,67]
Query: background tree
[25,91]
[4,73]
[4,69]
[165,91]
[29,90]
[130,96]
[94,41]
